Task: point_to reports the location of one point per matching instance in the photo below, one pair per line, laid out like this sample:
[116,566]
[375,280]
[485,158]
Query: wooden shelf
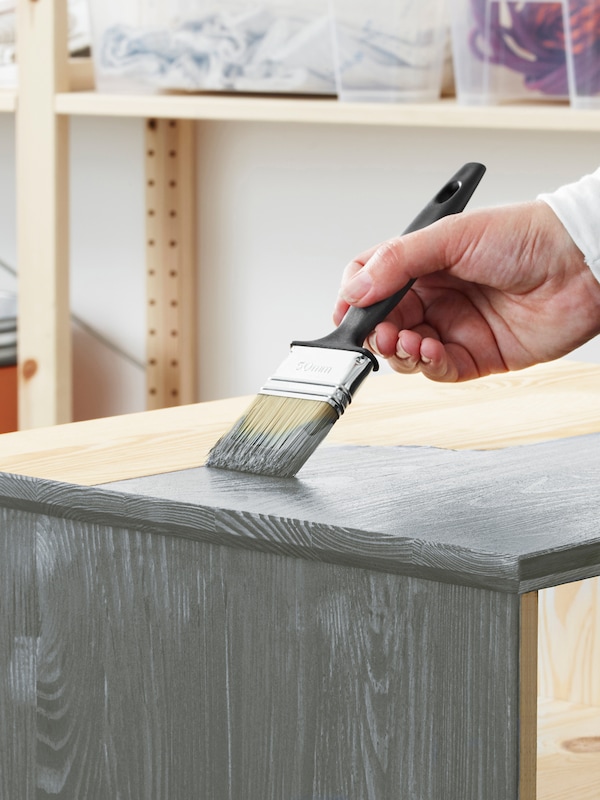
[442,114]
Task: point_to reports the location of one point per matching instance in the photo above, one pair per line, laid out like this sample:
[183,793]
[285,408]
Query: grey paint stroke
[148,667]
[513,520]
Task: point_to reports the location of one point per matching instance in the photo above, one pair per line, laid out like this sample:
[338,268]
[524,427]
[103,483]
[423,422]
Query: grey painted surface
[19,629]
[165,668]
[512,520]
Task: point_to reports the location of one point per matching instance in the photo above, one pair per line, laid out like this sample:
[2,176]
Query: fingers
[407,314]
[381,272]
[414,352]
[353,268]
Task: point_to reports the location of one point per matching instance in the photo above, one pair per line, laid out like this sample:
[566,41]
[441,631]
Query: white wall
[282,208]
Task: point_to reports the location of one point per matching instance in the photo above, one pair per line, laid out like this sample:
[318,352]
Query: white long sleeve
[577,205]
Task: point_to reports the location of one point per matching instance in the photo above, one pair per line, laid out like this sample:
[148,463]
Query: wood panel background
[568,762]
[569,642]
[167,669]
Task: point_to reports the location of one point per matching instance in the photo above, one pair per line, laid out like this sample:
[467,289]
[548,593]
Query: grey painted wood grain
[514,520]
[169,669]
[19,629]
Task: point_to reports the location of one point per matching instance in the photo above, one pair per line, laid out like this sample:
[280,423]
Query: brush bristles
[276,436]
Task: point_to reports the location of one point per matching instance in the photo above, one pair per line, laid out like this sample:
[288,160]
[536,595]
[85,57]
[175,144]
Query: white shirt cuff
[577,205]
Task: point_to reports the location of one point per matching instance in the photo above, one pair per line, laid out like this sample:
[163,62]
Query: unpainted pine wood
[170,669]
[528,710]
[549,401]
[570,642]
[81,74]
[19,628]
[443,113]
[171,262]
[568,751]
[42,217]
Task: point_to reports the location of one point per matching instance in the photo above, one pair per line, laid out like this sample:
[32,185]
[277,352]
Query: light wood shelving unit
[52,90]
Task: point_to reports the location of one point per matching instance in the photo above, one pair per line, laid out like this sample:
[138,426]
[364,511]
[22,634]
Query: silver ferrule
[319,373]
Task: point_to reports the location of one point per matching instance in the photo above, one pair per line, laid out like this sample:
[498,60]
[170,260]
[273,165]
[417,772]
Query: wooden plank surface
[19,630]
[168,668]
[171,263]
[518,519]
[42,167]
[545,402]
[528,710]
[568,751]
[445,113]
[570,643]
[514,520]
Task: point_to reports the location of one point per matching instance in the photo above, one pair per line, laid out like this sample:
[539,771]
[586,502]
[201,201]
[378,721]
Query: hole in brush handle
[449,190]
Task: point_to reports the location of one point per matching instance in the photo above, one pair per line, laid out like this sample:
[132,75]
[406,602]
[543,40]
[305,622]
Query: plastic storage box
[507,51]
[221,45]
[78,36]
[583,52]
[389,50]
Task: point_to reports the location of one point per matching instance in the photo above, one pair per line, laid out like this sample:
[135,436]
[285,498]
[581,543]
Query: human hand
[498,289]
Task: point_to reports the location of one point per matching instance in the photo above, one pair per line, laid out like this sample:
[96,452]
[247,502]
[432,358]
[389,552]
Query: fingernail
[357,288]
[400,351]
[372,344]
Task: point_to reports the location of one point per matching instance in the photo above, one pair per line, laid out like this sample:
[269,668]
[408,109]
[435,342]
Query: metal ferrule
[319,373]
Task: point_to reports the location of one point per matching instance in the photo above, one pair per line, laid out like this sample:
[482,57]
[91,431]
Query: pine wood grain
[570,642]
[568,751]
[173,669]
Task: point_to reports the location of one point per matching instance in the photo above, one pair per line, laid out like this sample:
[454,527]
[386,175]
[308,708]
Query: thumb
[388,267]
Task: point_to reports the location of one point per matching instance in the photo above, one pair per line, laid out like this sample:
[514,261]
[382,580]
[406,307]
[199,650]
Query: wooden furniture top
[545,402]
[515,519]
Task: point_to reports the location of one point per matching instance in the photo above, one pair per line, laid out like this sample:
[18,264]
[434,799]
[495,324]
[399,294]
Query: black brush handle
[359,322]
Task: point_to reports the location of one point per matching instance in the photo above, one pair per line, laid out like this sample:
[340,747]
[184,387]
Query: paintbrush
[297,407]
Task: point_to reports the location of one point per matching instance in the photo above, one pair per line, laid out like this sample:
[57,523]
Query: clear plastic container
[389,51]
[509,51]
[583,52]
[212,45]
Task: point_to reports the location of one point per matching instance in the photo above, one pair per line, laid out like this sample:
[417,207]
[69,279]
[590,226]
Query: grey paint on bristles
[276,436]
[293,412]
